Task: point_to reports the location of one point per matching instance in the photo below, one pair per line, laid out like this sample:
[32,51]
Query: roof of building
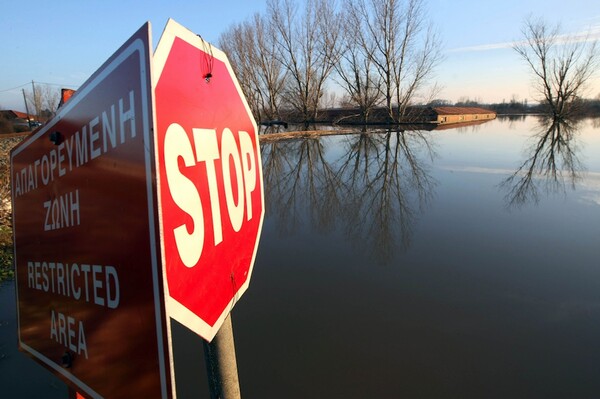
[10,114]
[461,110]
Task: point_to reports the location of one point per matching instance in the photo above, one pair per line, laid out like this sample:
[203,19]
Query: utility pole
[26,108]
[35,102]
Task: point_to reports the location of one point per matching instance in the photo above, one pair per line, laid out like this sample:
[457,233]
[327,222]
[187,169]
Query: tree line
[382,53]
[582,106]
[41,103]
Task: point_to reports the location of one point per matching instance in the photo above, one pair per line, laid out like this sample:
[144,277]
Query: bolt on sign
[209,180]
[87,250]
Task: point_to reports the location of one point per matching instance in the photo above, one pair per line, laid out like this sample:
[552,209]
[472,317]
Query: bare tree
[329,100]
[405,50]
[34,98]
[272,74]
[356,71]
[250,47]
[561,65]
[465,101]
[307,40]
[43,98]
[236,42]
[50,97]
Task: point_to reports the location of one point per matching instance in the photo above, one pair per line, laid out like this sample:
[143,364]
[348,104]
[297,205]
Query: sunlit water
[411,264]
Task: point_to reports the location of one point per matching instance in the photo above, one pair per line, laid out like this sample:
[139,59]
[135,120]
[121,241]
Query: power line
[65,85]
[43,83]
[14,88]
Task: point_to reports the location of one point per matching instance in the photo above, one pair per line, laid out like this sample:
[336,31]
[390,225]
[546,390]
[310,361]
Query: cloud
[589,35]
[482,47]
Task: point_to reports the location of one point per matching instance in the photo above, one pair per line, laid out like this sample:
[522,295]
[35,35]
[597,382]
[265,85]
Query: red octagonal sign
[210,180]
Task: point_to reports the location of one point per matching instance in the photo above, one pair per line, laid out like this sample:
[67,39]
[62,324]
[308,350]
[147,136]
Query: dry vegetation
[6,247]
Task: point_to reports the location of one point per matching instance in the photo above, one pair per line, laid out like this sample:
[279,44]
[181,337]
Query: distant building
[12,115]
[16,121]
[445,115]
[413,115]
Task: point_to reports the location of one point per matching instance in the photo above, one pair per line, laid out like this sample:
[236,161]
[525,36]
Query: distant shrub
[6,126]
[20,128]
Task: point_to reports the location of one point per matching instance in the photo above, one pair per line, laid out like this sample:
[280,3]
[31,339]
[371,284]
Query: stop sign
[209,180]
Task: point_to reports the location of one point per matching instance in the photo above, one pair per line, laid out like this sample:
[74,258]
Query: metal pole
[26,109]
[36,102]
[221,365]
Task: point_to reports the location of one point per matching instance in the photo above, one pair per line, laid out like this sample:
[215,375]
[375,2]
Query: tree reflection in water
[298,176]
[552,163]
[386,185]
[374,191]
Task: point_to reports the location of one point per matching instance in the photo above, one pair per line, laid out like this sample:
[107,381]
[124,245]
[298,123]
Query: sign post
[210,188]
[89,289]
[221,364]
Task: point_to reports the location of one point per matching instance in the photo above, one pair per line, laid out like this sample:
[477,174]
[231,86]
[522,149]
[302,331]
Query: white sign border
[175,309]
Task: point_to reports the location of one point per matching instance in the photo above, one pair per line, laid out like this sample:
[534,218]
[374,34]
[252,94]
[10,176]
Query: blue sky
[64,41]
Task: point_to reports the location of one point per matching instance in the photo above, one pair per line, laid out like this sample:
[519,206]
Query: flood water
[411,264]
[407,265]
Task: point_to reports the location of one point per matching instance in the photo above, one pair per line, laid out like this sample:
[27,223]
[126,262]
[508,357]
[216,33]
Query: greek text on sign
[90,294]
